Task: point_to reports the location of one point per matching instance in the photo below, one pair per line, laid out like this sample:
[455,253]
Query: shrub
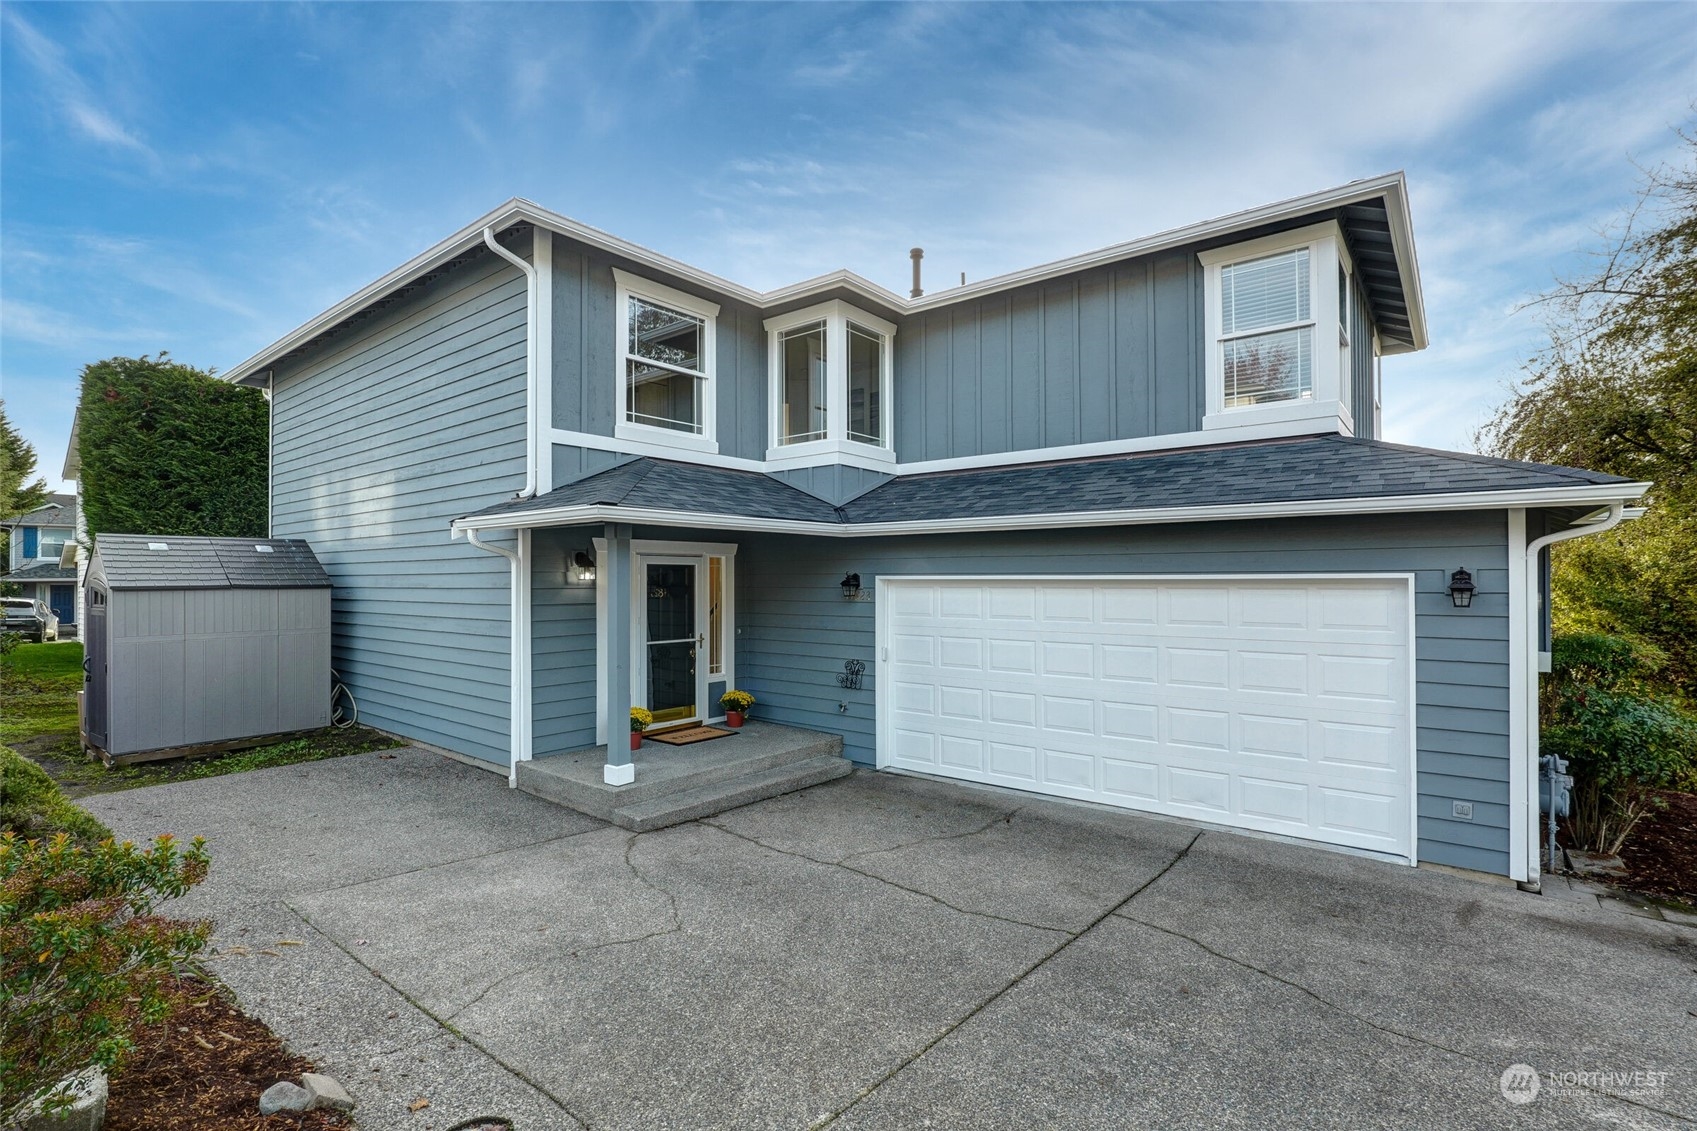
[1622,741]
[83,957]
[9,642]
[31,804]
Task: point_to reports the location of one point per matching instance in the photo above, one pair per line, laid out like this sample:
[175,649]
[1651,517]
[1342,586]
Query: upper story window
[1269,362]
[666,356]
[1267,329]
[831,373]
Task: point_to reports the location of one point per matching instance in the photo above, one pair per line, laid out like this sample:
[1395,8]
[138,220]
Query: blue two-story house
[34,551]
[1118,528]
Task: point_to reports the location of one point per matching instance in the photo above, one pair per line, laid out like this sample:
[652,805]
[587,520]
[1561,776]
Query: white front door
[669,676]
[1281,704]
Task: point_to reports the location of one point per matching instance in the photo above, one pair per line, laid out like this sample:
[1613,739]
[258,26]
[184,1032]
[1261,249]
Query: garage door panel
[1281,705]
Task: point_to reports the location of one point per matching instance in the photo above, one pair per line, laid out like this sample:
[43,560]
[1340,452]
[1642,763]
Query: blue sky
[201,178]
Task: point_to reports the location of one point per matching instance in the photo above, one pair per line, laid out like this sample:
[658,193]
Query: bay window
[1269,362]
[830,378]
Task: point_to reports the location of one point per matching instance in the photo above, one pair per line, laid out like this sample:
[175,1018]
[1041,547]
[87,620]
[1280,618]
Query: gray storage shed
[201,641]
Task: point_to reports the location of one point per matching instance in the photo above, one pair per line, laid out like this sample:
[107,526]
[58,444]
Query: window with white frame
[831,374]
[1267,329]
[1269,363]
[666,348]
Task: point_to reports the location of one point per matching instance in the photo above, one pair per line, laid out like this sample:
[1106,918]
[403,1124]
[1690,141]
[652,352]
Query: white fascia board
[1144,516]
[1392,186]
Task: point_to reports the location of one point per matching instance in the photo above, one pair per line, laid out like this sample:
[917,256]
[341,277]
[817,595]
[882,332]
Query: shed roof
[141,561]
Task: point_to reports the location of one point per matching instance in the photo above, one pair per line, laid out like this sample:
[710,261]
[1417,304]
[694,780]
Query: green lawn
[38,719]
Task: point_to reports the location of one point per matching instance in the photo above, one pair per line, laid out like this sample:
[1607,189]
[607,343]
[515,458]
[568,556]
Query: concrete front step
[706,800]
[576,779]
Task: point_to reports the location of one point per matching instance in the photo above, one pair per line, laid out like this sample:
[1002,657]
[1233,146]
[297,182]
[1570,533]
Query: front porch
[675,784]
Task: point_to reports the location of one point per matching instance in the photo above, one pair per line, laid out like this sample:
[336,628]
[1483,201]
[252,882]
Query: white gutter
[518,726]
[1524,771]
[1612,494]
[530,444]
[1392,187]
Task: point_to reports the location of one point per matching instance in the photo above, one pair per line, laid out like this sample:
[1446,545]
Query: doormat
[688,735]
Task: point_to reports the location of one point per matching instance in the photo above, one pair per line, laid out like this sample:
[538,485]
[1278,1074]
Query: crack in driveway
[1072,937]
[937,899]
[1471,1058]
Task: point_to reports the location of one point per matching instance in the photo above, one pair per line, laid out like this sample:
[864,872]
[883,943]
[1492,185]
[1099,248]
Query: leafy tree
[166,448]
[1616,390]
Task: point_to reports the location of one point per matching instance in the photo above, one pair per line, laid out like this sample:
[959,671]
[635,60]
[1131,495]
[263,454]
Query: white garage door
[1278,705]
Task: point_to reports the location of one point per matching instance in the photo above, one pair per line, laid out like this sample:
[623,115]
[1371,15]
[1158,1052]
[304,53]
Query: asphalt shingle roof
[1308,468]
[208,563]
[49,514]
[47,571]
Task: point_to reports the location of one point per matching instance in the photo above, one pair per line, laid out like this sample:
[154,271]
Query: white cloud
[63,86]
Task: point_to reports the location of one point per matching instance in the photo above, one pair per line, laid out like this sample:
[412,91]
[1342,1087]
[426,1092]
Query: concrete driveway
[888,952]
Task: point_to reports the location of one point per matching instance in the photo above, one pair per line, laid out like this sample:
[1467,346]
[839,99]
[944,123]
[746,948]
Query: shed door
[95,677]
[1278,705]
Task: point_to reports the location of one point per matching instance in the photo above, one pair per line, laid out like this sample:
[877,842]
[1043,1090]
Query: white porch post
[616,561]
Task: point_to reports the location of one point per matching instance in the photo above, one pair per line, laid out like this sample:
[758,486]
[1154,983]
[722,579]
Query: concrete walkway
[888,952]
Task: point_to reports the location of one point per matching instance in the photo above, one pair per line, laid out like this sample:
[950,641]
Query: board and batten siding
[795,630]
[1109,353]
[381,437]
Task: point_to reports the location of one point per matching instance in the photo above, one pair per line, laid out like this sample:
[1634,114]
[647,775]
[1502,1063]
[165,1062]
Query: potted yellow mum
[736,704]
[640,719]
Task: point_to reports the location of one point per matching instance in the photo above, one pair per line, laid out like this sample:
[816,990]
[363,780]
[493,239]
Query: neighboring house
[37,544]
[1117,528]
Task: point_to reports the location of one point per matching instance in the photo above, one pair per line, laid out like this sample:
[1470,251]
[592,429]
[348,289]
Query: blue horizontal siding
[381,437]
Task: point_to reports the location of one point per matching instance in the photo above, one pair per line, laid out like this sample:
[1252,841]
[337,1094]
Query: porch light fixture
[1462,588]
[851,586]
[583,566]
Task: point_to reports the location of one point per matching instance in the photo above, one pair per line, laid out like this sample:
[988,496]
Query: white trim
[1400,504]
[520,684]
[638,547]
[883,719]
[637,444]
[618,775]
[836,315]
[1523,680]
[1522,828]
[532,446]
[1393,187]
[1325,406]
[542,416]
[626,287]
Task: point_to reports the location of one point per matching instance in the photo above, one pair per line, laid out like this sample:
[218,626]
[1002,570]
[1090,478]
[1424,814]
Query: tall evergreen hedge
[169,449]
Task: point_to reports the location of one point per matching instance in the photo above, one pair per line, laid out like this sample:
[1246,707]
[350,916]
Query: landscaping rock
[86,1113]
[326,1092]
[284,1096]
[1596,864]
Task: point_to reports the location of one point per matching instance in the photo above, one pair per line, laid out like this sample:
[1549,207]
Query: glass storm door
[671,635]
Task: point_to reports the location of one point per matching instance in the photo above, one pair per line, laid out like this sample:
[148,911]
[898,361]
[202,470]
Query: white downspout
[530,367]
[519,613]
[1529,567]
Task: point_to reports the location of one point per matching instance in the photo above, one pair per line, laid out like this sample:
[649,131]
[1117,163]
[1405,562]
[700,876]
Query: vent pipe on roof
[916,255]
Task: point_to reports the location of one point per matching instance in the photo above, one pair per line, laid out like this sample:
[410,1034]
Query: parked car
[31,618]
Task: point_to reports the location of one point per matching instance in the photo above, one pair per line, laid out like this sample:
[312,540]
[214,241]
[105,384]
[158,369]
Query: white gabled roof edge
[1139,516]
[1392,186]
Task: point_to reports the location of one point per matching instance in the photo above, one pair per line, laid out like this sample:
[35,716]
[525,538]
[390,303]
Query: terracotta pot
[636,740]
[733,718]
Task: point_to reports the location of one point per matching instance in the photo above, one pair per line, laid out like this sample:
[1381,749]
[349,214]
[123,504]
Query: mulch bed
[1661,857]
[203,1069]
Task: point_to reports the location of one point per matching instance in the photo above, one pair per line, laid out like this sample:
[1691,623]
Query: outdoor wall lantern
[851,586]
[583,566]
[1462,588]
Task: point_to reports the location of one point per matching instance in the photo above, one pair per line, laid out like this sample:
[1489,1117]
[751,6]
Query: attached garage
[1279,704]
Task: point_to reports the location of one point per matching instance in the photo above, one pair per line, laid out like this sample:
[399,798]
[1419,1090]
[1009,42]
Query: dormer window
[830,373]
[1269,361]
[666,355]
